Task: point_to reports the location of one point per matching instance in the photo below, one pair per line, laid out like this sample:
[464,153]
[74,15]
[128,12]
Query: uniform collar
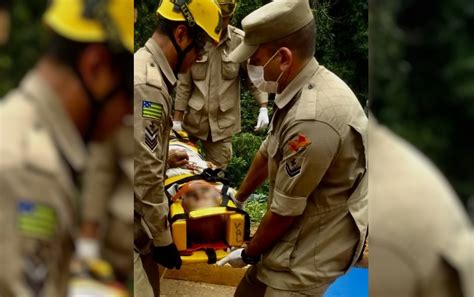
[161,60]
[227,37]
[296,84]
[64,133]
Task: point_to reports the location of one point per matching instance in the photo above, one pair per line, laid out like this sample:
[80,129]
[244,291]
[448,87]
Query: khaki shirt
[421,240]
[209,94]
[108,178]
[152,112]
[316,150]
[40,149]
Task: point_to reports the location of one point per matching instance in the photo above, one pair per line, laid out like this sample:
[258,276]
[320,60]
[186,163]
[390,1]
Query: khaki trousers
[250,286]
[219,152]
[146,276]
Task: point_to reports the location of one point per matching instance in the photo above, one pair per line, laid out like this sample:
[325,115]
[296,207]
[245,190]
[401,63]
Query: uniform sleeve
[99,180]
[308,148]
[259,96]
[151,114]
[10,252]
[183,91]
[264,147]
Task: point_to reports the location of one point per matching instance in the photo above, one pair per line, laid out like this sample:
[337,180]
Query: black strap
[225,196]
[209,175]
[211,256]
[180,216]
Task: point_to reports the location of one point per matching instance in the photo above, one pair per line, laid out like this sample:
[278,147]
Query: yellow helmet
[228,7]
[204,13]
[93,21]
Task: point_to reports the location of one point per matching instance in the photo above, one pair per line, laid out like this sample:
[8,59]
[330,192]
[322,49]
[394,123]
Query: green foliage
[27,39]
[422,80]
[256,210]
[245,146]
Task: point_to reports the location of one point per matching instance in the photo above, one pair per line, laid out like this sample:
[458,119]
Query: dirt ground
[181,288]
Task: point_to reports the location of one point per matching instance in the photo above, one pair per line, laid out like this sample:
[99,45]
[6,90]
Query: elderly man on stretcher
[205,222]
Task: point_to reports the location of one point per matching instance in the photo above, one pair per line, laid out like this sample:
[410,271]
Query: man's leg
[250,286]
[219,153]
[146,276]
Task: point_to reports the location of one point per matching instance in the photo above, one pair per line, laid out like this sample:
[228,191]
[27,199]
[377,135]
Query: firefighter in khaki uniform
[74,93]
[421,239]
[107,205]
[183,27]
[314,156]
[209,95]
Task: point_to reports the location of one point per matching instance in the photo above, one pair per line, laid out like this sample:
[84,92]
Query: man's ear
[286,58]
[181,35]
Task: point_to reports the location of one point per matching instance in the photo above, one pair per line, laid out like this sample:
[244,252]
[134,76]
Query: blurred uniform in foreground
[421,239]
[183,28]
[107,210]
[208,96]
[314,157]
[76,92]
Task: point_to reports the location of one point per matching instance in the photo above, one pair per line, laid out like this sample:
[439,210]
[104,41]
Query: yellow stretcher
[237,224]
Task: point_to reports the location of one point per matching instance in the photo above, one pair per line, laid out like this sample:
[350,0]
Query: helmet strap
[180,52]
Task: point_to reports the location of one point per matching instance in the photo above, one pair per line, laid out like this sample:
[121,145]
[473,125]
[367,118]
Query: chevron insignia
[293,166]
[151,136]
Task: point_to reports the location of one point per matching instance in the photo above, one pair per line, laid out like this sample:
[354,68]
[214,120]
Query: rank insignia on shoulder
[151,136]
[152,110]
[299,143]
[36,219]
[293,166]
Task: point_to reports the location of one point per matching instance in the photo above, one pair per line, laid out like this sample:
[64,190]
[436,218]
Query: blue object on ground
[354,283]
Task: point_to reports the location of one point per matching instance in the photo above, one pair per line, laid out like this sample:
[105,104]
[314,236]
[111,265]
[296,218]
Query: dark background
[422,80]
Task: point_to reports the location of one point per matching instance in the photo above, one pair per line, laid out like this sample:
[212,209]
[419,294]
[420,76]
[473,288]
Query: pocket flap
[226,103]
[196,103]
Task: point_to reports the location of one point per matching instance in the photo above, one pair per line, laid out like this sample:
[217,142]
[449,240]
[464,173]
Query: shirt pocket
[199,68]
[230,69]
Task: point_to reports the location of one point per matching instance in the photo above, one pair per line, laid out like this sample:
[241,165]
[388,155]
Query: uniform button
[310,86]
[152,65]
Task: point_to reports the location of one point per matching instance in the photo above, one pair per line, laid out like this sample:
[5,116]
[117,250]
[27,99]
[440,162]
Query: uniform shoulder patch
[151,136]
[152,110]
[293,166]
[299,143]
[36,219]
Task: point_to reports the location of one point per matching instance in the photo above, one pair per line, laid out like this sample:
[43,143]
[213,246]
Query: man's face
[261,57]
[106,80]
[200,194]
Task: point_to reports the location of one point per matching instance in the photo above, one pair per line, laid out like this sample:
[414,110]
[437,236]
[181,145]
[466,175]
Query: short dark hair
[167,27]
[301,42]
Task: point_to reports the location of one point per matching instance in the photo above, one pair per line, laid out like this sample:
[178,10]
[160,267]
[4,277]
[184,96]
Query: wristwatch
[248,259]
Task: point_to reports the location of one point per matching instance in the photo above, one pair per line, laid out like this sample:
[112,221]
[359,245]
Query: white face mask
[257,76]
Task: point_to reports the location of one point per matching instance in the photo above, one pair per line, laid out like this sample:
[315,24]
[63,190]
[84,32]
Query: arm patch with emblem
[152,110]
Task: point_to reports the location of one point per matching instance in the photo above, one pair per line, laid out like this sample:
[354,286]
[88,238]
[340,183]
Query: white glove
[234,258]
[177,126]
[262,122]
[87,249]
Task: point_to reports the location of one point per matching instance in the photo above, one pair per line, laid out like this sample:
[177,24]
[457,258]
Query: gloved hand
[178,126]
[87,248]
[262,122]
[234,258]
[168,256]
[177,157]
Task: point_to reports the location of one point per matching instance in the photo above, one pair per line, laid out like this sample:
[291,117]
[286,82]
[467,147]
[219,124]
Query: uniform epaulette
[153,75]
[306,109]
